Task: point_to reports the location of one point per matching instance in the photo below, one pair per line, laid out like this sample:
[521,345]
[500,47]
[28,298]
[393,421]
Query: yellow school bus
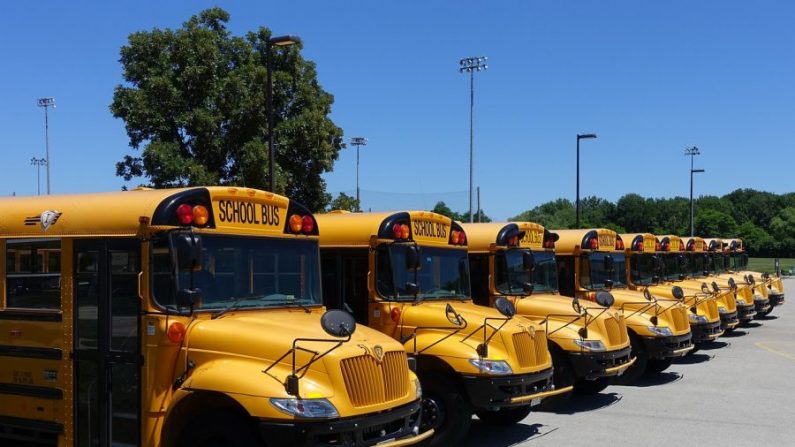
[736,263]
[591,260]
[184,317]
[406,274]
[516,260]
[684,277]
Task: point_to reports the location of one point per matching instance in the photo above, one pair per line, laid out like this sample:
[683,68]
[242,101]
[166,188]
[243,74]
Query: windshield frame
[646,278]
[619,272]
[310,268]
[501,271]
[389,248]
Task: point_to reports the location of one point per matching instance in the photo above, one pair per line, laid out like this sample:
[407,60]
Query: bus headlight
[698,318]
[418,388]
[721,310]
[494,367]
[661,331]
[591,345]
[306,408]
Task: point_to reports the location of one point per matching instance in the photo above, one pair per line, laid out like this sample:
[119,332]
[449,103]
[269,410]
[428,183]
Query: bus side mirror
[528,288]
[189,297]
[605,299]
[682,277]
[609,264]
[528,261]
[188,249]
[412,257]
[412,289]
[608,284]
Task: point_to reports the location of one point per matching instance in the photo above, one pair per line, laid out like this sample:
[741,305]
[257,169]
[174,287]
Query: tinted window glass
[33,274]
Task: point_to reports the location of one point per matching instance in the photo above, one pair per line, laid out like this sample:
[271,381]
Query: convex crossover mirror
[677,292]
[338,323]
[505,307]
[604,298]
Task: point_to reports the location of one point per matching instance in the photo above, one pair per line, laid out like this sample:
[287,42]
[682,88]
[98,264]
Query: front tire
[634,372]
[656,366]
[220,429]
[445,410]
[504,416]
[590,387]
[562,377]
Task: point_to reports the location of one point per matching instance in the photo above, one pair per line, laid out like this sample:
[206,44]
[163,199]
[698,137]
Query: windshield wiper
[227,309]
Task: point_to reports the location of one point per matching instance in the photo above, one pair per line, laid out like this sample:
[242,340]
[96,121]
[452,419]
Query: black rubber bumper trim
[592,365]
[702,332]
[497,391]
[665,347]
[728,318]
[31,315]
[31,391]
[31,353]
[367,430]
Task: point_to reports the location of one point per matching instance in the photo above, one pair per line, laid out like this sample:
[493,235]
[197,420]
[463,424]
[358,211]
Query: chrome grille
[371,383]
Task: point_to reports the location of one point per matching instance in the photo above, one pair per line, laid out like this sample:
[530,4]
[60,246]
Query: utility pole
[478,204]
[358,141]
[38,163]
[692,152]
[46,103]
[577,201]
[471,65]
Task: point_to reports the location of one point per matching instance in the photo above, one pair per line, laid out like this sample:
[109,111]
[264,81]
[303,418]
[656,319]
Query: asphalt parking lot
[740,390]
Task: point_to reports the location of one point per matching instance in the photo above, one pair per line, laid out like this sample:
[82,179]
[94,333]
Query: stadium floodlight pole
[358,141]
[46,103]
[280,41]
[471,65]
[692,152]
[38,163]
[584,136]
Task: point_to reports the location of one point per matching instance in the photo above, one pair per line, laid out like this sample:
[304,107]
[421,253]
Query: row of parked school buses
[231,316]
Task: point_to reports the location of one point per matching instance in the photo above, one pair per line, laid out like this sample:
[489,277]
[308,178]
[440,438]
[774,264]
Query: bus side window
[33,274]
[566,275]
[330,271]
[479,272]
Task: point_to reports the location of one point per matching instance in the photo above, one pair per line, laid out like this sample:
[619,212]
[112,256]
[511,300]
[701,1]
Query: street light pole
[46,103]
[577,202]
[358,141]
[38,163]
[471,65]
[281,41]
[692,152]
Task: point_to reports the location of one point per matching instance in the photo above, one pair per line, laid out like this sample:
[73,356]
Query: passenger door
[107,352]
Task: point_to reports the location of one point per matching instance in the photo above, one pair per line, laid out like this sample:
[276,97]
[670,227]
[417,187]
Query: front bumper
[395,427]
[729,320]
[592,365]
[762,305]
[504,391]
[776,299]
[746,311]
[668,347]
[702,332]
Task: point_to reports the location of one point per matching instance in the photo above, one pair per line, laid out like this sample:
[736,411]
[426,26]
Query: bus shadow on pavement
[715,345]
[693,359]
[752,324]
[663,378]
[735,333]
[768,318]
[581,403]
[483,434]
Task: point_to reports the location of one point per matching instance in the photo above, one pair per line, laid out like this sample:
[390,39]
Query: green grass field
[766,264]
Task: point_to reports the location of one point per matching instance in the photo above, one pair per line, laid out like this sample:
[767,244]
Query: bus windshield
[443,273]
[545,275]
[697,264]
[672,263]
[643,269]
[511,276]
[242,273]
[738,261]
[595,268]
[718,265]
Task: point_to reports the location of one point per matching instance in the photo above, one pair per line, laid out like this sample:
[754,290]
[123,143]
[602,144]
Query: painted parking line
[775,351]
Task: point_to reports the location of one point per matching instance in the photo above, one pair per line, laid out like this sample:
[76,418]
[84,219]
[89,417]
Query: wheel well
[428,363]
[190,407]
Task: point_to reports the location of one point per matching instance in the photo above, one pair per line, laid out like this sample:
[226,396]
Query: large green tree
[194,104]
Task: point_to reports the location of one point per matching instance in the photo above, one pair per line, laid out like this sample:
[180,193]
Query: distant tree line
[764,221]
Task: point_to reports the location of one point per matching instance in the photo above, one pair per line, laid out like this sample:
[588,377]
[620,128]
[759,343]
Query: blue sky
[650,78]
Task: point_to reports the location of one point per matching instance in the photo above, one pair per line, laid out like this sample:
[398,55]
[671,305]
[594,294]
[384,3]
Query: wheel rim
[433,413]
